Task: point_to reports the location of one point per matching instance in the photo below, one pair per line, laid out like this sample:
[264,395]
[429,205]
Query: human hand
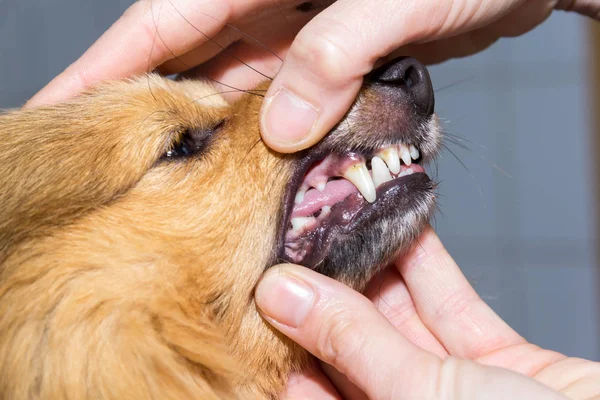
[324,66]
[421,333]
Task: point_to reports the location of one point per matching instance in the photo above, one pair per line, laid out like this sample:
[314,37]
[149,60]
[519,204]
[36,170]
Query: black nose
[411,76]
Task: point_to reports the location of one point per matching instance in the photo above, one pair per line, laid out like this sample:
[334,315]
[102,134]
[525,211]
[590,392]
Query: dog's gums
[136,220]
[324,203]
[347,196]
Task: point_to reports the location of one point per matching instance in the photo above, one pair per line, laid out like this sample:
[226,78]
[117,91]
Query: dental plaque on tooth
[337,178]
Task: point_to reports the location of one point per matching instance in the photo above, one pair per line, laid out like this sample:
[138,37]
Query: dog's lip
[367,211]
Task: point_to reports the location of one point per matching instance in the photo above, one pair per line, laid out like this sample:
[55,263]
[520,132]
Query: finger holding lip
[344,329]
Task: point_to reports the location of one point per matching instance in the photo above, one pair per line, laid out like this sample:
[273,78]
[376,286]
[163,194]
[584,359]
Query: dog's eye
[189,143]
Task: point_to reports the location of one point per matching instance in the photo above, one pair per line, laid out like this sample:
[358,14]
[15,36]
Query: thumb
[324,67]
[591,8]
[344,329]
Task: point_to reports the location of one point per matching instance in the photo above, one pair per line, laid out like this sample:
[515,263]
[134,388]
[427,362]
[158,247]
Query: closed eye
[190,143]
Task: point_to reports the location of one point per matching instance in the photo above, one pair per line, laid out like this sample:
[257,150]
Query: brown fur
[123,281]
[126,277]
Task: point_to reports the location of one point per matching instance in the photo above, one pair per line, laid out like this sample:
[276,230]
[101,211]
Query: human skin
[421,331]
[322,68]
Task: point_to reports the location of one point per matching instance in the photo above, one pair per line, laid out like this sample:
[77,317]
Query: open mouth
[340,193]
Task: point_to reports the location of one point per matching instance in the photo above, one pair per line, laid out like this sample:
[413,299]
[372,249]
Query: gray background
[526,240]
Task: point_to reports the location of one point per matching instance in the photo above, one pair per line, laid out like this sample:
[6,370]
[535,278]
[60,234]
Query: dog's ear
[57,163]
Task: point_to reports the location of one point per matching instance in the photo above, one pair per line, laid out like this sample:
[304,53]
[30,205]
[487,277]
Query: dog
[136,219]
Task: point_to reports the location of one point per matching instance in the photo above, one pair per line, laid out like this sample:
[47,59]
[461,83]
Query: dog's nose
[411,76]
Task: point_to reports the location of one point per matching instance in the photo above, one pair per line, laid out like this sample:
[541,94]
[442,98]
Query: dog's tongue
[314,200]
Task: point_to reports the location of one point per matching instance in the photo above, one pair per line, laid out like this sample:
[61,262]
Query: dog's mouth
[361,195]
[341,193]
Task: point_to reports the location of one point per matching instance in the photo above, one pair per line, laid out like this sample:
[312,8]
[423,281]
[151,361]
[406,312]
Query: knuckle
[448,376]
[455,304]
[324,54]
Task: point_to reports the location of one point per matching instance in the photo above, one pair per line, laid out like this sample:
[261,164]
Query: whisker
[207,77]
[148,69]
[468,172]
[221,92]
[450,85]
[215,42]
[457,143]
[464,139]
[455,140]
[287,22]
[255,40]
[250,150]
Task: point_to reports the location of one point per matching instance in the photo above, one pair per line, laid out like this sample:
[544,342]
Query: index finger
[149,33]
[465,325]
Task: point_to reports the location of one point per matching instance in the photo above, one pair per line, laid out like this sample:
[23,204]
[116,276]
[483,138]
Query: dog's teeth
[325,211]
[414,153]
[300,195]
[300,223]
[408,171]
[381,173]
[359,175]
[405,155]
[391,158]
[321,186]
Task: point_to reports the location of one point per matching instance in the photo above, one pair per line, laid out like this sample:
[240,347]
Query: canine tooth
[359,175]
[381,173]
[299,223]
[414,153]
[391,158]
[405,155]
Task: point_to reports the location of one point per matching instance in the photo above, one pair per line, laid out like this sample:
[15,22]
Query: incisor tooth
[321,186]
[405,155]
[381,173]
[300,195]
[391,158]
[359,175]
[299,223]
[414,153]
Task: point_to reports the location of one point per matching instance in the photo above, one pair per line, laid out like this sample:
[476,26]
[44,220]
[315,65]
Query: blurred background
[520,216]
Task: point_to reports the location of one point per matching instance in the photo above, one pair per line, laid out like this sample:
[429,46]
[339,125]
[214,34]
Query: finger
[232,77]
[448,305]
[342,328]
[255,33]
[323,70]
[310,384]
[348,390]
[591,8]
[391,297]
[149,33]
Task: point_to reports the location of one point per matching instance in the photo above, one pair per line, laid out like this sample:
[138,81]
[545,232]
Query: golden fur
[125,274]
[123,278]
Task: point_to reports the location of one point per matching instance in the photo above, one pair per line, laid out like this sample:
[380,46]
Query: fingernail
[288,119]
[284,298]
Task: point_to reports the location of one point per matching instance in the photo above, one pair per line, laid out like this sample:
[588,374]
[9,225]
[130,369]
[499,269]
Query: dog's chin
[380,233]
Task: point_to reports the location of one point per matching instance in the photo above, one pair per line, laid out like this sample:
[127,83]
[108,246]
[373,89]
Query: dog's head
[136,220]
